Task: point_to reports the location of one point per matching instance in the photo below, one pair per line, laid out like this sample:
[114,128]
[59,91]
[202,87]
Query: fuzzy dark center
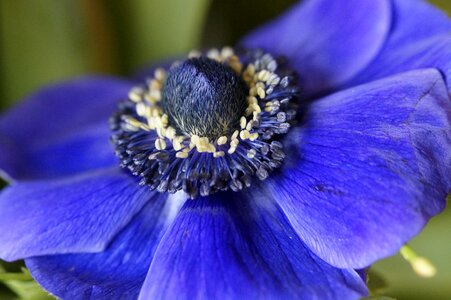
[204,97]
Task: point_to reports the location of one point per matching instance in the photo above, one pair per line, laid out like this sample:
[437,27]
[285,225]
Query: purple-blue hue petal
[414,20]
[420,38]
[373,166]
[327,42]
[86,149]
[74,214]
[44,135]
[116,273]
[231,247]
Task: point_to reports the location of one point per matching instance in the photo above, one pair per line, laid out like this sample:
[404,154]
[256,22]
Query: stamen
[206,124]
[421,265]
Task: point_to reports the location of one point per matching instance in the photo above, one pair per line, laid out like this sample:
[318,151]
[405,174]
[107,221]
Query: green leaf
[24,275]
[28,290]
[21,284]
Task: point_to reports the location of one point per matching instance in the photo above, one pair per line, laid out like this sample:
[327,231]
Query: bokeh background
[44,41]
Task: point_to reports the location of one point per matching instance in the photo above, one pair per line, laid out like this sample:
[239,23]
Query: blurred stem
[154,29]
[102,43]
[24,275]
[41,41]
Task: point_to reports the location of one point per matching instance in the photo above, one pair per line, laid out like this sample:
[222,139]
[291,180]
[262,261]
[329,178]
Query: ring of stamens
[250,150]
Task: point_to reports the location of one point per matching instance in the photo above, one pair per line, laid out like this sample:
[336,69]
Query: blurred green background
[43,41]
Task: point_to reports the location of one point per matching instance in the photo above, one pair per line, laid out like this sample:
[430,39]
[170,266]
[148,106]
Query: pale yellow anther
[251,153]
[250,69]
[263,75]
[261,93]
[273,79]
[222,140]
[213,54]
[211,148]
[141,109]
[165,118]
[245,134]
[246,79]
[160,144]
[155,94]
[249,110]
[155,112]
[136,94]
[177,145]
[187,150]
[160,132]
[195,139]
[170,133]
[236,66]
[253,136]
[218,154]
[253,91]
[256,108]
[144,111]
[203,145]
[160,74]
[181,154]
[255,116]
[231,150]
[194,54]
[234,58]
[243,122]
[150,99]
[235,135]
[129,127]
[226,52]
[250,125]
[137,124]
[154,85]
[234,143]
[252,100]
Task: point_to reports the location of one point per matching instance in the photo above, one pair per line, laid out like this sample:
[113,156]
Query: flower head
[210,124]
[354,151]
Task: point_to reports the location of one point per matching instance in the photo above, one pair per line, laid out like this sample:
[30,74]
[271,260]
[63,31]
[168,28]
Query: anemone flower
[278,169]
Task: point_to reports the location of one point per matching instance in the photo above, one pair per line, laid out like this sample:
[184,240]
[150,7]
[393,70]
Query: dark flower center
[204,97]
[210,123]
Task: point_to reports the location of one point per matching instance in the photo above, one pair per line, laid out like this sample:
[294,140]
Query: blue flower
[364,168]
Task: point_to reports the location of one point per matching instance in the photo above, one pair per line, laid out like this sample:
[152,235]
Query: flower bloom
[366,163]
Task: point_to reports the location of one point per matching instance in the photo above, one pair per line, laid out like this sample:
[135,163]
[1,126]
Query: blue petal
[414,20]
[231,247]
[327,42]
[76,214]
[372,168]
[420,38]
[116,273]
[45,135]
